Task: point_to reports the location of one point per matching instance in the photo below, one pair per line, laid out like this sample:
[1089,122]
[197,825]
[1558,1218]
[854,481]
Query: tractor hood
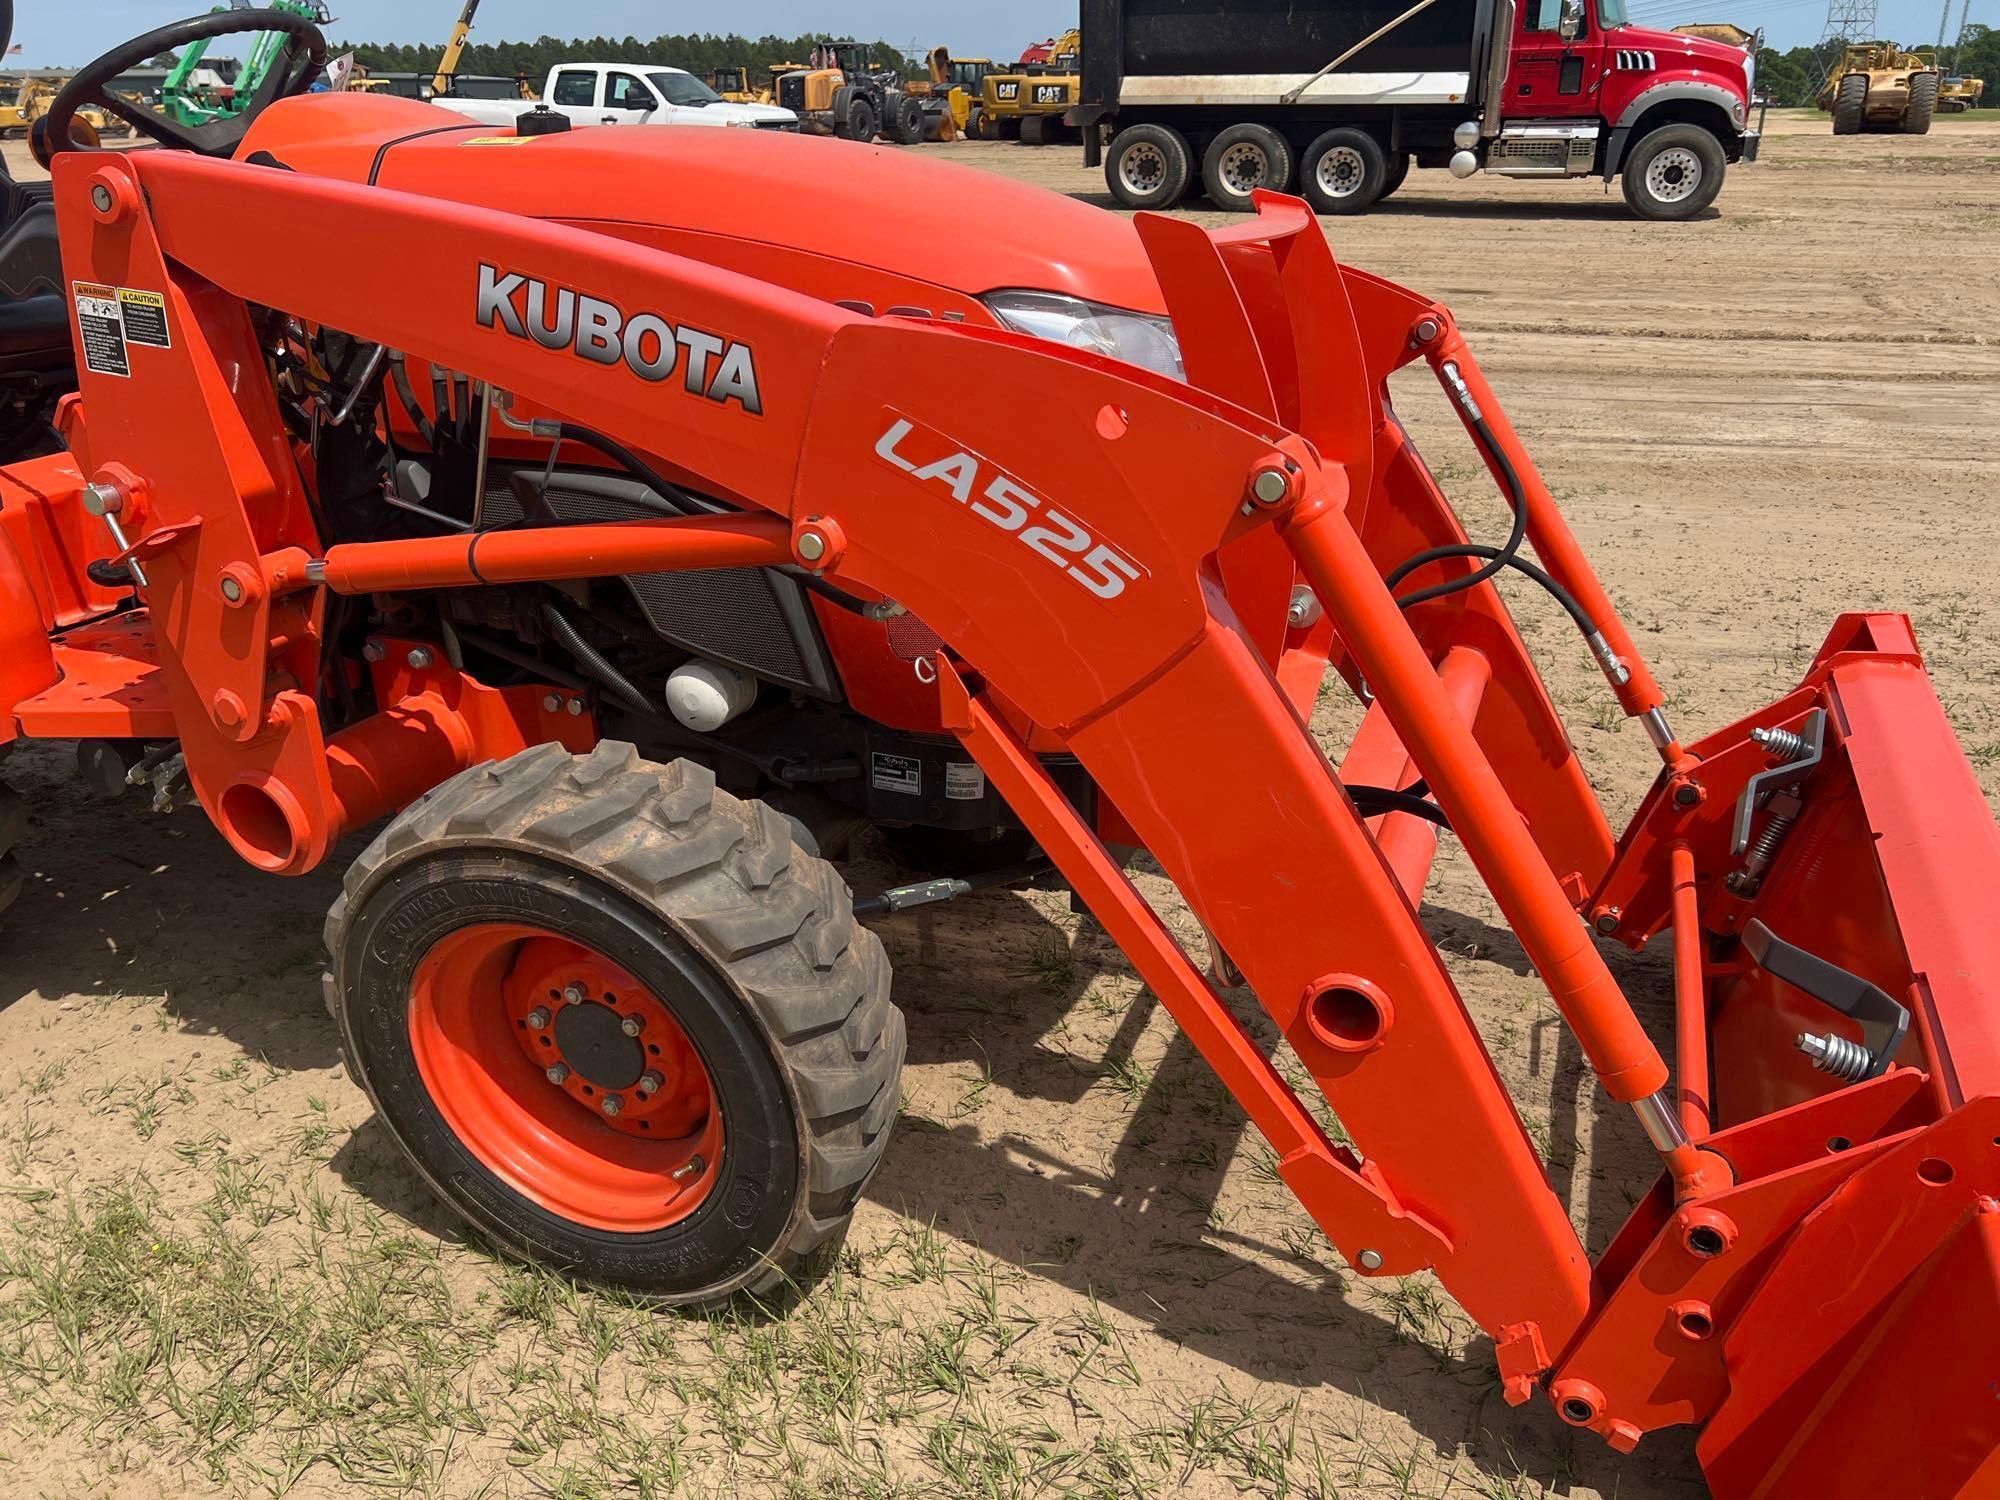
[837,220]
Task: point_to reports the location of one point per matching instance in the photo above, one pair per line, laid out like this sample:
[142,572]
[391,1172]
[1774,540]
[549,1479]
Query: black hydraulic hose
[596,665]
[1521,565]
[406,394]
[1517,497]
[1373,801]
[677,501]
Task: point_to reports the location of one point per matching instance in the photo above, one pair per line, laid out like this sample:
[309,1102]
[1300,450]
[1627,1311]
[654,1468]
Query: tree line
[1795,76]
[700,54]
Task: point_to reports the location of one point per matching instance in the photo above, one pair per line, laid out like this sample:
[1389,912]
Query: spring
[1765,849]
[1783,745]
[1837,1055]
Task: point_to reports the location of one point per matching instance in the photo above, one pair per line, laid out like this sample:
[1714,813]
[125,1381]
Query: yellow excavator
[455,49]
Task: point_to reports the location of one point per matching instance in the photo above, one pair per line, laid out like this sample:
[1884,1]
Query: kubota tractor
[617,545]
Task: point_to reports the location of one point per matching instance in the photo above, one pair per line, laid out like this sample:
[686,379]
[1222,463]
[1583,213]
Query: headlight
[1137,338]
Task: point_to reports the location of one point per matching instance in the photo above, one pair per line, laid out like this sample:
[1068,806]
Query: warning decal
[103,330]
[145,318]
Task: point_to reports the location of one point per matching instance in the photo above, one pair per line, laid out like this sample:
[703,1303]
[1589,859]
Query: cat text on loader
[626,564]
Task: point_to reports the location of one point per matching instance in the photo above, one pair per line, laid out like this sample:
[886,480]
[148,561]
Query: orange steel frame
[1281,456]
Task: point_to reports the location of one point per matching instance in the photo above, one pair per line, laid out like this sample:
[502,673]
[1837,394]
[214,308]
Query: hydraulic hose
[1501,558]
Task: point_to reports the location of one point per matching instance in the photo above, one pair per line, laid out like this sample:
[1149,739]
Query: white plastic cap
[703,696]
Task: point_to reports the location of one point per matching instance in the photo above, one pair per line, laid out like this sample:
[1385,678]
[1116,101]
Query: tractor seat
[34,319]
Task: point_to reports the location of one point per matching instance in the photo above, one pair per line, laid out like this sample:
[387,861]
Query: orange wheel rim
[571,1081]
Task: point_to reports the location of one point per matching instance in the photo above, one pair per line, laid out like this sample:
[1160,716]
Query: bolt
[575,994]
[559,1073]
[811,546]
[1304,610]
[230,710]
[1608,920]
[613,1103]
[1369,1260]
[232,590]
[551,704]
[100,198]
[419,658]
[650,1083]
[1687,795]
[1427,329]
[538,1018]
[1270,486]
[374,651]
[576,708]
[694,1168]
[632,1025]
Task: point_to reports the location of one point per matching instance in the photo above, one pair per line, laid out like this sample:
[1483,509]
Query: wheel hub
[601,1038]
[592,1042]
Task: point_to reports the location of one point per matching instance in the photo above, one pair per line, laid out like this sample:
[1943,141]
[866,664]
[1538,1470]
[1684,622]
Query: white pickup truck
[625,94]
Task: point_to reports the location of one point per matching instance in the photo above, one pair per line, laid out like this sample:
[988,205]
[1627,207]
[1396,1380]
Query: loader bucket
[1840,1051]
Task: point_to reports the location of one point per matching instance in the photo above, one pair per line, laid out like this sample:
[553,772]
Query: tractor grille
[792,91]
[748,618]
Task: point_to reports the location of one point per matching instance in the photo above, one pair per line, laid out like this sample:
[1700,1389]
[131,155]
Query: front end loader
[616,558]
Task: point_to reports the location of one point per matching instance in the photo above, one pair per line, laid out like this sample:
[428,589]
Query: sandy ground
[1077,1272]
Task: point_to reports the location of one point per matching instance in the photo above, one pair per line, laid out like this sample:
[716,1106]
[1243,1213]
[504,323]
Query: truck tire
[1673,173]
[1241,160]
[13,823]
[619,1022]
[1399,170]
[1923,104]
[1343,172]
[1850,104]
[1149,167]
[861,123]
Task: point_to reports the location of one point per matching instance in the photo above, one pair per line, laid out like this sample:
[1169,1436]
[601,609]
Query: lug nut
[538,1018]
[613,1103]
[559,1073]
[650,1083]
[575,994]
[632,1025]
[419,659]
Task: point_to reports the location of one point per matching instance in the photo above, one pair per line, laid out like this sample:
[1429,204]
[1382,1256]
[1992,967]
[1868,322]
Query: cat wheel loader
[615,561]
[844,93]
[1880,87]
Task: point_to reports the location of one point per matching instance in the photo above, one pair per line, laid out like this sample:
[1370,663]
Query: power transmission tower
[1846,21]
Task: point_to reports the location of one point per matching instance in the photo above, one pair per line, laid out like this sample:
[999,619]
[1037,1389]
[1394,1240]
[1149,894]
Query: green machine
[190,103]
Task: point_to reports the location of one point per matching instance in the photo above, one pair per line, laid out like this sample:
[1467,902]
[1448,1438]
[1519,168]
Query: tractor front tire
[13,823]
[1850,104]
[1923,104]
[620,1023]
[861,122]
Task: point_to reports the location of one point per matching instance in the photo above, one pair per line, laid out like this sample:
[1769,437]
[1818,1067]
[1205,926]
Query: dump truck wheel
[1398,172]
[1673,173]
[1923,104]
[1149,167]
[1241,160]
[1850,104]
[13,824]
[620,1022]
[1343,171]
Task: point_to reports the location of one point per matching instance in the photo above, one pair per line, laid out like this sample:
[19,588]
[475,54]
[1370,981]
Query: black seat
[34,319]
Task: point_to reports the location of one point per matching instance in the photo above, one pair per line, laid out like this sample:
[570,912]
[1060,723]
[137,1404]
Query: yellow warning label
[498,140]
[145,317]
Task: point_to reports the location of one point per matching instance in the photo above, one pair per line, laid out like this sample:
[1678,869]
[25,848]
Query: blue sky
[54,33]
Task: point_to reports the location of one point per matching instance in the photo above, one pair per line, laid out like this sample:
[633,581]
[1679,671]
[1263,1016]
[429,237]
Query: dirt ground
[1077,1273]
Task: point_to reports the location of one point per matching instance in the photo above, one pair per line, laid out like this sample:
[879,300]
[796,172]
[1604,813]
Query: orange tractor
[598,546]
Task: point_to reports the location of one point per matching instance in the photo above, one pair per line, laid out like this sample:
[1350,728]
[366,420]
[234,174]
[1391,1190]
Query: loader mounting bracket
[1882,1020]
